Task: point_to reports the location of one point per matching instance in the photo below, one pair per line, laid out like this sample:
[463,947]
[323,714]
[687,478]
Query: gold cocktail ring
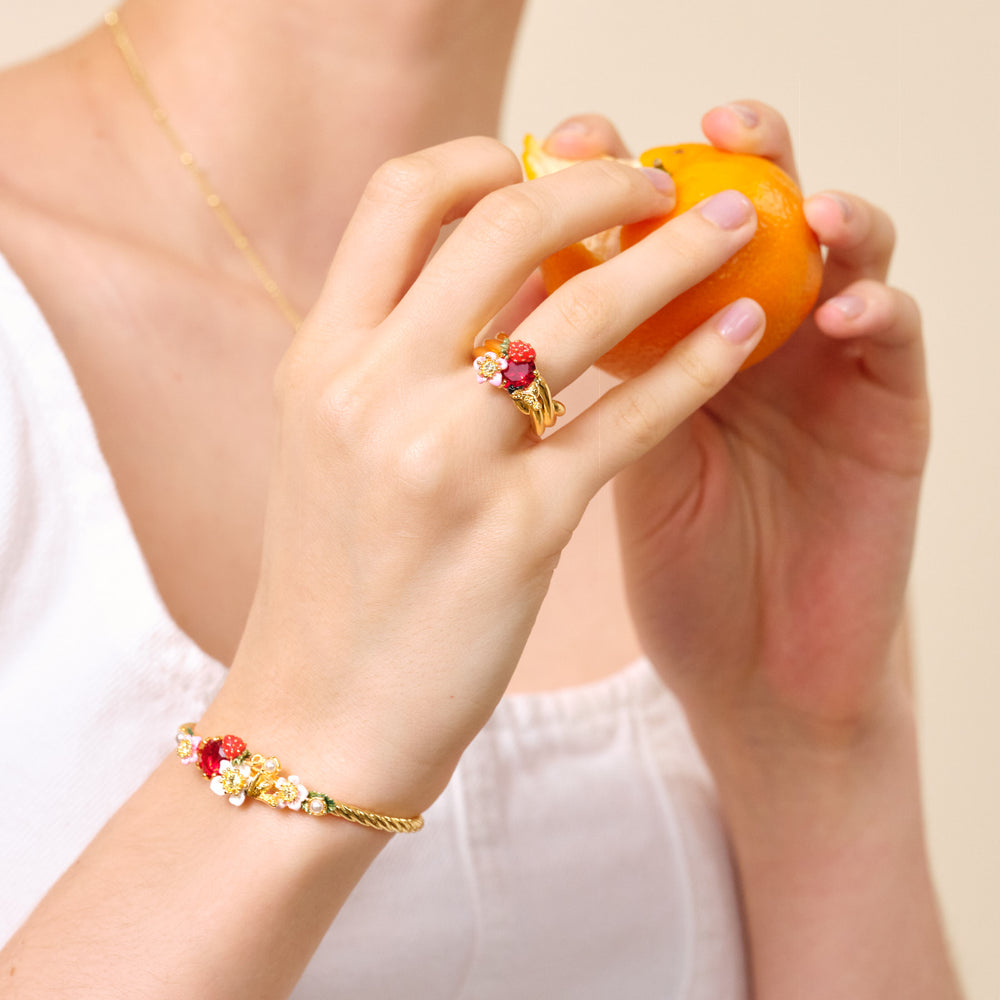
[510,364]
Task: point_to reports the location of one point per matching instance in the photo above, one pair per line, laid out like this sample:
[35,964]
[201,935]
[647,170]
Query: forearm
[183,894]
[831,858]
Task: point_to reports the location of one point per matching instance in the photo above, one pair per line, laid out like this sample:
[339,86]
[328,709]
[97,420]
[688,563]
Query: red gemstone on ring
[519,375]
[210,758]
[232,746]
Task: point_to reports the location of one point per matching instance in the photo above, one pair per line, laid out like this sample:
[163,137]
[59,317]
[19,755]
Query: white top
[576,853]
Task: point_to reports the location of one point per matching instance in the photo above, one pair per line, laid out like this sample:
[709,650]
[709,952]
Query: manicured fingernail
[850,306]
[740,321]
[727,209]
[660,179]
[746,114]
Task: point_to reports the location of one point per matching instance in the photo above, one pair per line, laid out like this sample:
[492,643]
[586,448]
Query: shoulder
[54,115]
[57,227]
[40,119]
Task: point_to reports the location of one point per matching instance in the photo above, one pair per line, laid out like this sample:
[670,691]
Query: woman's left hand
[767,541]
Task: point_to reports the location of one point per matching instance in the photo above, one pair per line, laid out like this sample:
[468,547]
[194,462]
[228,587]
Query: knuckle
[707,379]
[424,474]
[896,310]
[493,148]
[419,468]
[505,217]
[622,180]
[342,410]
[401,180]
[688,253]
[637,417]
[873,233]
[584,307]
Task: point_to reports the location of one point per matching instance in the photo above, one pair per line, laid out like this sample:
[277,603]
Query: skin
[340,620]
[767,544]
[264,560]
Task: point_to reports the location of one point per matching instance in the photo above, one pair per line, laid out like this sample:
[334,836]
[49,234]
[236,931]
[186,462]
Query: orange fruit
[781,267]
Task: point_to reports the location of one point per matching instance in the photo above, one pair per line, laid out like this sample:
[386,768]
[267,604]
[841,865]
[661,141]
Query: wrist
[344,754]
[828,842]
[779,771]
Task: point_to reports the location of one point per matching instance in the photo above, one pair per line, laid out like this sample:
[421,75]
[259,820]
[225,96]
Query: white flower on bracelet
[290,792]
[233,771]
[232,780]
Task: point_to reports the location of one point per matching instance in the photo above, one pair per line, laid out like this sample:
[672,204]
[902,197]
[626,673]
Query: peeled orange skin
[781,267]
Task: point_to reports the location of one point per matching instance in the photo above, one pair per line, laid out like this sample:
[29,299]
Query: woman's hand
[414,520]
[766,544]
[767,541]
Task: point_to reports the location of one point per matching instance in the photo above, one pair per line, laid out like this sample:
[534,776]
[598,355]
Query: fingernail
[841,202]
[567,133]
[746,114]
[571,126]
[850,306]
[727,209]
[660,179]
[740,321]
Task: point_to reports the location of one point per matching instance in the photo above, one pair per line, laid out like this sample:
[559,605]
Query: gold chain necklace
[240,239]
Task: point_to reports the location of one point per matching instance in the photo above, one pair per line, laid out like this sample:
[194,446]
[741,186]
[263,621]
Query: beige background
[898,101]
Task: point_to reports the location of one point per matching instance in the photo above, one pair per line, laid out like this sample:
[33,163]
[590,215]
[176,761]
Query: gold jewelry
[240,239]
[537,403]
[510,364]
[237,773]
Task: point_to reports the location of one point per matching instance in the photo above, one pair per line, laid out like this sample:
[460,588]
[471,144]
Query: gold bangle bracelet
[235,772]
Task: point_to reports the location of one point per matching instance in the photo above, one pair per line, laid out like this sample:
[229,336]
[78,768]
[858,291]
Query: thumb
[656,489]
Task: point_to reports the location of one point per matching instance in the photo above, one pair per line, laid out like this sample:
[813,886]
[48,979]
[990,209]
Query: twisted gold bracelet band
[237,773]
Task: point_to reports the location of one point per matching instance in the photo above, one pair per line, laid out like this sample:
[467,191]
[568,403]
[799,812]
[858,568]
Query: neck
[290,107]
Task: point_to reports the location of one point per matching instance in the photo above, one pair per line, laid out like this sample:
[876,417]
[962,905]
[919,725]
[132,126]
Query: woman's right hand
[414,520]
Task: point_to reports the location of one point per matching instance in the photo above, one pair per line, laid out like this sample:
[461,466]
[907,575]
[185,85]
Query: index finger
[400,215]
[858,236]
[513,229]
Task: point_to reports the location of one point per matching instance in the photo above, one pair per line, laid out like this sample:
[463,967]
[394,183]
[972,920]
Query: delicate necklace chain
[240,239]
